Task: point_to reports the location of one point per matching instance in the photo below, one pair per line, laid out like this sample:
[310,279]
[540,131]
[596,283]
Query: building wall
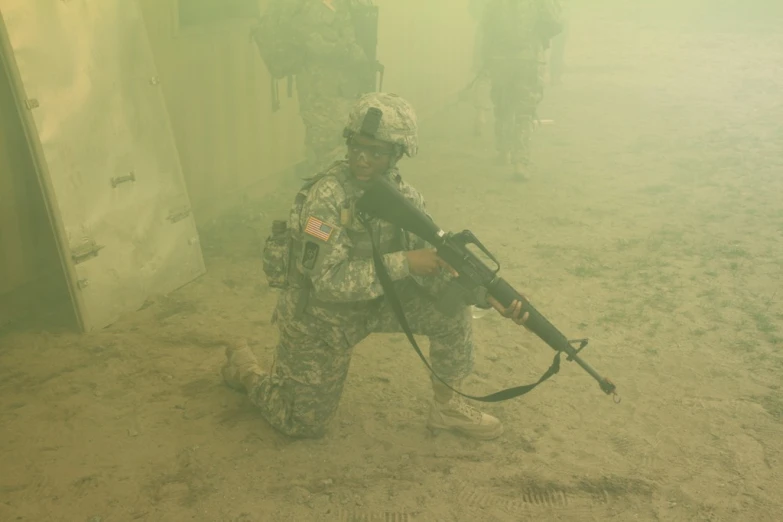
[32,284]
[218,96]
[27,247]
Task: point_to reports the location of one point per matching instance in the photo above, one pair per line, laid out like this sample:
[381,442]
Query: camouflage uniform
[330,80]
[516,33]
[346,304]
[334,299]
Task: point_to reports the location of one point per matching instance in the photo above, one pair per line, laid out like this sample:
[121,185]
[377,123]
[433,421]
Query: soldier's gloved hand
[512,312]
[425,262]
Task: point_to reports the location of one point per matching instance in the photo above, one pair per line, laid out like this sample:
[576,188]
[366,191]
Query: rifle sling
[393,299]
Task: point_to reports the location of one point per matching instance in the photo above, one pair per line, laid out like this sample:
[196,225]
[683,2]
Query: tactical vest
[283,249]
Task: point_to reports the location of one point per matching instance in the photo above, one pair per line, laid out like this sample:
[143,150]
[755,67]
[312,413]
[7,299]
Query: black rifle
[384,201]
[365,23]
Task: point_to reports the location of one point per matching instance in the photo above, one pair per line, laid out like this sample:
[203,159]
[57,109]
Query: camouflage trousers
[516,93]
[324,104]
[324,120]
[302,390]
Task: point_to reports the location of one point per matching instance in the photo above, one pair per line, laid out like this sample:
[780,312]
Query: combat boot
[241,370]
[451,412]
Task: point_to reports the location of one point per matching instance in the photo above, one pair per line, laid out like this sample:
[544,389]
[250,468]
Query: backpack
[278,40]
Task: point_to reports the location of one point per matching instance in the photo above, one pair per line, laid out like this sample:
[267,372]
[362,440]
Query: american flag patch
[318,229]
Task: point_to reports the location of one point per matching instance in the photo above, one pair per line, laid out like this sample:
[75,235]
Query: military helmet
[386,117]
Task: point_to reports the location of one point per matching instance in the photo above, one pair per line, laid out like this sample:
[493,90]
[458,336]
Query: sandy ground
[653,226]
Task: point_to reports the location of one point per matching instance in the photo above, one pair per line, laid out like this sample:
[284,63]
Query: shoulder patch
[318,229]
[310,255]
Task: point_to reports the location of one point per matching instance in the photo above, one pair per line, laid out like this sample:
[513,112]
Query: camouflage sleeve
[334,274]
[325,40]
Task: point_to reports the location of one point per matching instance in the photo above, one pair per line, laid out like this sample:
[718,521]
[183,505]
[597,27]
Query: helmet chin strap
[399,153]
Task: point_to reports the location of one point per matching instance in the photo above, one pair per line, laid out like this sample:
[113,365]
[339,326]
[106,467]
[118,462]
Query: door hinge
[86,251]
[179,215]
[31,104]
[123,179]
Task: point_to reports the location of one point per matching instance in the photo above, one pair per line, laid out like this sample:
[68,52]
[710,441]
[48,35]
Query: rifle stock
[384,201]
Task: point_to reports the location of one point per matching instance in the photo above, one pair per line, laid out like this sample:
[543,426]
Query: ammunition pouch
[277,255]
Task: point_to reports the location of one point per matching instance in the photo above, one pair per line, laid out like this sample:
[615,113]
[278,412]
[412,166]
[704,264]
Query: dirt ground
[653,226]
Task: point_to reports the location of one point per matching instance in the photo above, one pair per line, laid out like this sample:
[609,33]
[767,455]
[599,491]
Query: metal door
[97,124]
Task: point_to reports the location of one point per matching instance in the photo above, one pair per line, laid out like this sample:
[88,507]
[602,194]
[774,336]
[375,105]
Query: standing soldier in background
[337,70]
[516,35]
[330,47]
